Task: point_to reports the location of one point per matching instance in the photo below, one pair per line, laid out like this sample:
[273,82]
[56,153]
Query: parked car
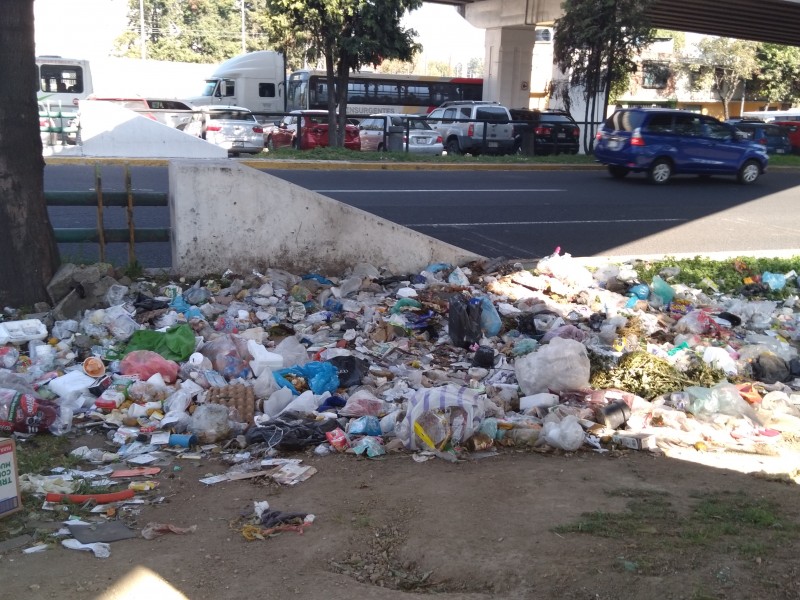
[663,143]
[545,132]
[173,113]
[423,139]
[462,137]
[774,137]
[136,104]
[792,129]
[313,125]
[48,130]
[231,127]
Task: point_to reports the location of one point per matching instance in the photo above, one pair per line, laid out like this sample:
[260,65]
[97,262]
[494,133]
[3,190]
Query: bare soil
[392,528]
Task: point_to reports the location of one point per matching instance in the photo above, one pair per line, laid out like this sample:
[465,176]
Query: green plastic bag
[177,343]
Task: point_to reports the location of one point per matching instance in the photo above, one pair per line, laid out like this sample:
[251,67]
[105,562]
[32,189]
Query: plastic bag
[697,321]
[227,355]
[363,403]
[145,364]
[25,413]
[464,321]
[305,403]
[561,365]
[350,369]
[319,377]
[723,398]
[566,434]
[369,445]
[367,425]
[663,290]
[177,343]
[210,423]
[293,352]
[490,318]
[565,269]
[431,406]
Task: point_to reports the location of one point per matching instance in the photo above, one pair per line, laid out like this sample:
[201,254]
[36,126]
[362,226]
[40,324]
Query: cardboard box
[10,500]
[635,441]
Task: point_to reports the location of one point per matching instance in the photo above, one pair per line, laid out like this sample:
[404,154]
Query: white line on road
[434,191]
[548,222]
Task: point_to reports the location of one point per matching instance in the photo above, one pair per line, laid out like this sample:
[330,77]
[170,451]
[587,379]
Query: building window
[655,75]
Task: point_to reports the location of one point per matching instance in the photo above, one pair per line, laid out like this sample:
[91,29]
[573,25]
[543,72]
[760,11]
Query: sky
[88,28]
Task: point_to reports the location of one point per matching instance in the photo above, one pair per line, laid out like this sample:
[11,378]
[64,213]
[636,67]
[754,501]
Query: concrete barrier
[109,130]
[228,216]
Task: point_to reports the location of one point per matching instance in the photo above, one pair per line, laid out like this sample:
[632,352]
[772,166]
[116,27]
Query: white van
[62,84]
[254,80]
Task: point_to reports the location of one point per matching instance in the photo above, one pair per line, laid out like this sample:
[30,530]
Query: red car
[313,132]
[792,129]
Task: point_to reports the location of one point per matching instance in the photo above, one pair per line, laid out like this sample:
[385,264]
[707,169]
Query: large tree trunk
[28,250]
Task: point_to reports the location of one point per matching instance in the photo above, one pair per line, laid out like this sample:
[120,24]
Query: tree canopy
[778,78]
[595,44]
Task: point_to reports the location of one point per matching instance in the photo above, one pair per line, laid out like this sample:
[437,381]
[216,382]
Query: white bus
[63,83]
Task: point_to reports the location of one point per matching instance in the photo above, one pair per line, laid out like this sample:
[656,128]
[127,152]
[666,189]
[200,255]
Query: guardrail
[100,234]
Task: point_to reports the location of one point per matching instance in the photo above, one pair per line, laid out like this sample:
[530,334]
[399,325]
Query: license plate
[562,136]
[238,144]
[780,151]
[492,144]
[613,144]
[419,140]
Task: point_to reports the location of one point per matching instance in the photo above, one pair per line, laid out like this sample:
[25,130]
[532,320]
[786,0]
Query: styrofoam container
[19,332]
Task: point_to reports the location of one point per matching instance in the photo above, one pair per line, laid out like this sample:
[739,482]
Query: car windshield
[412,123]
[317,119]
[231,115]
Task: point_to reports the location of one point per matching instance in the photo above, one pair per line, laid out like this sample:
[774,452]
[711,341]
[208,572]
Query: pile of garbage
[451,362]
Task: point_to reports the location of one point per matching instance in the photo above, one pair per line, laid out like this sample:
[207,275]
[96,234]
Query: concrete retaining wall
[109,130]
[229,216]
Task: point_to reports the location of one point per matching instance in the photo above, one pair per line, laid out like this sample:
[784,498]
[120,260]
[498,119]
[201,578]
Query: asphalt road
[515,214]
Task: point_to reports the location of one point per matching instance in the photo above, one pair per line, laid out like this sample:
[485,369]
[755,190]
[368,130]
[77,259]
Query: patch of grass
[784,160]
[134,270]
[343,154]
[719,523]
[44,452]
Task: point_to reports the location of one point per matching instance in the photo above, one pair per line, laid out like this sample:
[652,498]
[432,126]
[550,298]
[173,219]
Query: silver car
[417,136]
[231,127]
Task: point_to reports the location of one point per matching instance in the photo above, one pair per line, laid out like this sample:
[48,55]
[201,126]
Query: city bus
[62,84]
[370,93]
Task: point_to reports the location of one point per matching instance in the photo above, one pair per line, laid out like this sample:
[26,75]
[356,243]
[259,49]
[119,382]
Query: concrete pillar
[508,64]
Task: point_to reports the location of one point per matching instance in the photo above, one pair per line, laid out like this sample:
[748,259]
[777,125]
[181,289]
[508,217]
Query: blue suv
[663,143]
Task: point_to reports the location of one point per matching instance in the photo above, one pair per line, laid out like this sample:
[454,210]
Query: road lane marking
[436,191]
[505,223]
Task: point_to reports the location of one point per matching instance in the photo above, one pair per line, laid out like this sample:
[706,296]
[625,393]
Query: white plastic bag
[561,365]
[566,434]
[293,352]
[440,399]
[210,423]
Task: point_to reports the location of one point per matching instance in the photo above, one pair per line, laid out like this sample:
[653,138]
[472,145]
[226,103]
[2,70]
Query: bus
[792,114]
[62,84]
[370,93]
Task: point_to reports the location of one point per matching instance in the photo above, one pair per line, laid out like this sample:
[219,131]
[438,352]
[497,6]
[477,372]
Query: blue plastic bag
[367,425]
[321,377]
[490,318]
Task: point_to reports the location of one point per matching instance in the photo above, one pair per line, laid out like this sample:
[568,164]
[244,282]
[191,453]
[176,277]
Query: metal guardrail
[100,234]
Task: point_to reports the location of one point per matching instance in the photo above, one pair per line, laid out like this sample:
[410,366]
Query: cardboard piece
[635,441]
[109,531]
[10,499]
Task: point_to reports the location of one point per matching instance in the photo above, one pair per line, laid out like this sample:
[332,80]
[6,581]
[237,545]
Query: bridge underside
[773,21]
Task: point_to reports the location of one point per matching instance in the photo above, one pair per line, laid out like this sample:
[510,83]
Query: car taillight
[214,128]
[576,132]
[43,123]
[258,129]
[636,138]
[598,136]
[542,131]
[763,141]
[471,130]
[439,139]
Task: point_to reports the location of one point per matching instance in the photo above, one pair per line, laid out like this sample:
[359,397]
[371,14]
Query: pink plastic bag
[146,363]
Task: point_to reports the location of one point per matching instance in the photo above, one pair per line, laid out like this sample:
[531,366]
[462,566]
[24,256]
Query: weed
[134,269]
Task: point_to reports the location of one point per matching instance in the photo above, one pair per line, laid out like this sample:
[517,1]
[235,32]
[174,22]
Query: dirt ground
[392,528]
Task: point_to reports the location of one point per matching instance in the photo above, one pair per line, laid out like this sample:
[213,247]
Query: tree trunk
[342,80]
[28,250]
[332,95]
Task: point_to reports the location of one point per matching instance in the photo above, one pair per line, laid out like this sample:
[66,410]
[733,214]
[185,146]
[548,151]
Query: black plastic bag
[464,320]
[351,369]
[290,433]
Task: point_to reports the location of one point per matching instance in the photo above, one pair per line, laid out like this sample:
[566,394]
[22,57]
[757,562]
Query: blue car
[663,143]
[774,137]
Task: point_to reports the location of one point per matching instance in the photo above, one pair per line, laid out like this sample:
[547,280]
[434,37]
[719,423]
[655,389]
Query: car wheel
[452,147]
[618,172]
[660,172]
[749,172]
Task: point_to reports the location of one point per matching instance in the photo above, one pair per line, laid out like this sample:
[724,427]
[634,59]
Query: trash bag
[146,363]
[490,318]
[177,343]
[25,413]
[210,423]
[770,368]
[464,320]
[290,432]
[566,434]
[228,355]
[363,403]
[319,377]
[350,369]
[561,365]
[724,398]
[434,408]
[293,352]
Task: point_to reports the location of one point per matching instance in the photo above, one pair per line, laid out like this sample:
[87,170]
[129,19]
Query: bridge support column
[507,65]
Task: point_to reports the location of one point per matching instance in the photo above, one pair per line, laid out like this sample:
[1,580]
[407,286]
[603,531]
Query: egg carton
[19,332]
